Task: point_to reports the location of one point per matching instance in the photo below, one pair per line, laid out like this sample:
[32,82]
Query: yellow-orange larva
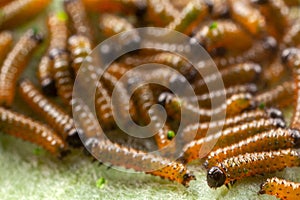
[78,16]
[267,141]
[234,75]
[6,40]
[14,65]
[280,188]
[230,136]
[20,11]
[45,76]
[190,17]
[251,164]
[29,130]
[139,161]
[80,47]
[53,115]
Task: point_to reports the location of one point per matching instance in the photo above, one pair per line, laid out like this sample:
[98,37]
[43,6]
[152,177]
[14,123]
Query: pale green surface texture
[30,173]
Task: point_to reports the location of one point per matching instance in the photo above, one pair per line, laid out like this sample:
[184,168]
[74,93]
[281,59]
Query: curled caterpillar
[80,47]
[15,63]
[78,16]
[45,76]
[267,141]
[62,75]
[280,188]
[139,161]
[249,17]
[20,11]
[230,136]
[54,116]
[223,34]
[6,41]
[234,75]
[191,15]
[277,95]
[202,128]
[251,164]
[25,128]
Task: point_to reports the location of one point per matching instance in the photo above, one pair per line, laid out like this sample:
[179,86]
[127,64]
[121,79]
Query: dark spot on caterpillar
[215,177]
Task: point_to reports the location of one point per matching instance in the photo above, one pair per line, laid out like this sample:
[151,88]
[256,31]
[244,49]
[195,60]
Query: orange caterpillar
[250,164]
[230,136]
[54,116]
[234,75]
[45,76]
[137,160]
[78,16]
[281,188]
[267,141]
[190,17]
[32,131]
[6,40]
[14,65]
[20,11]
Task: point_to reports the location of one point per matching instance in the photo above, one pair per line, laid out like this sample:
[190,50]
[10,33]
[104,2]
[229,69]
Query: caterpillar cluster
[254,44]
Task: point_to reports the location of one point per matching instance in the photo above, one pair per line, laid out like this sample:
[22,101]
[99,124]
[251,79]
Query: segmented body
[45,76]
[6,40]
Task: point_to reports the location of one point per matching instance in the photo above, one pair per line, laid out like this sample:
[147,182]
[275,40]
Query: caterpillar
[58,31]
[234,75]
[54,116]
[276,14]
[291,58]
[234,106]
[191,15]
[78,16]
[80,47]
[139,161]
[161,12]
[29,130]
[280,188]
[45,76]
[202,128]
[266,47]
[267,141]
[20,11]
[62,75]
[6,40]
[250,164]
[15,63]
[277,95]
[204,100]
[249,17]
[230,136]
[223,34]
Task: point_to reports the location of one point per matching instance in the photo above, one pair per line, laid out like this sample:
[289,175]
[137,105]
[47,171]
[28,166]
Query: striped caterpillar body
[281,188]
[277,95]
[14,65]
[45,76]
[202,128]
[230,136]
[291,58]
[139,161]
[276,14]
[19,11]
[234,75]
[6,40]
[223,34]
[80,47]
[268,141]
[191,15]
[78,16]
[250,18]
[62,75]
[54,116]
[32,131]
[251,164]
[161,12]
